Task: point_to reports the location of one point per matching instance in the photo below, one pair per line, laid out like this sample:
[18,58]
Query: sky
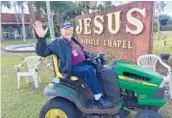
[167,8]
[6,10]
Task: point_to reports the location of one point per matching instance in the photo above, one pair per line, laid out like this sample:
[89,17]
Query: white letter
[117,22]
[134,21]
[79,27]
[98,24]
[87,22]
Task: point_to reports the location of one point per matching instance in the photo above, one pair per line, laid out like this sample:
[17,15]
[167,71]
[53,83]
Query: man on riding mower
[71,58]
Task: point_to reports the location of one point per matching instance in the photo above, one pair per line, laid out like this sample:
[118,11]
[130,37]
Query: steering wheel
[97,57]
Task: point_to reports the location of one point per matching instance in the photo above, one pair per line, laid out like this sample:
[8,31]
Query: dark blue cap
[66,25]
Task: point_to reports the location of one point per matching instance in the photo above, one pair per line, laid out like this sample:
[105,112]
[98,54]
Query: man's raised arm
[42,49]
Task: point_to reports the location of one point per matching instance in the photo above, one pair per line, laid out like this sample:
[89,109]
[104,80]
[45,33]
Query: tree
[32,15]
[107,4]
[84,6]
[159,7]
[58,8]
[100,7]
[40,7]
[6,4]
[21,5]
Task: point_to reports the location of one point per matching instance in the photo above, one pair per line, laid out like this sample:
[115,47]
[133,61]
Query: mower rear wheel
[148,114]
[58,108]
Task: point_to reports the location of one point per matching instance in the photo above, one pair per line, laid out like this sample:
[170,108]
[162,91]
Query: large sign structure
[124,31]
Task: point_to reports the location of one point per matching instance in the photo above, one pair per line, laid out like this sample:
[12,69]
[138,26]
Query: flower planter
[165,56]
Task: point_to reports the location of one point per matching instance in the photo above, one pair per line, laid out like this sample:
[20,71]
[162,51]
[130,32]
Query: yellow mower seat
[58,73]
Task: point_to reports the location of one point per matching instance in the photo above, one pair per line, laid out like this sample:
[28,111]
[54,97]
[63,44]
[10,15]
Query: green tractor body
[143,82]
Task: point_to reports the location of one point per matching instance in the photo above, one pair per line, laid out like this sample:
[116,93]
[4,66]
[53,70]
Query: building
[11,25]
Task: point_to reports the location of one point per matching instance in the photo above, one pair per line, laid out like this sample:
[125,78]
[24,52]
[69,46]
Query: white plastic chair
[32,63]
[149,61]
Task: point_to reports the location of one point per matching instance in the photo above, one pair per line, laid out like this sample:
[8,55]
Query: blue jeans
[87,73]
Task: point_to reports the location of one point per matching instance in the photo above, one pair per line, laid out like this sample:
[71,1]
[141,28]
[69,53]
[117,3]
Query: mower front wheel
[58,108]
[148,114]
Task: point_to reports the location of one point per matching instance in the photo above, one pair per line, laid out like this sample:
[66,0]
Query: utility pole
[50,20]
[51,28]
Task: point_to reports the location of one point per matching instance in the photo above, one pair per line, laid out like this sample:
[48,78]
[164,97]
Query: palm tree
[32,15]
[31,11]
[21,5]
[6,4]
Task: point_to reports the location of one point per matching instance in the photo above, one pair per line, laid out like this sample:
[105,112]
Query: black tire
[59,103]
[148,114]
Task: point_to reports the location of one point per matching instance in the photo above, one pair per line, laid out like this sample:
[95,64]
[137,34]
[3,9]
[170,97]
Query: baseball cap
[66,25]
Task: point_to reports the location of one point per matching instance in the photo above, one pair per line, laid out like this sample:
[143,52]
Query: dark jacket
[62,49]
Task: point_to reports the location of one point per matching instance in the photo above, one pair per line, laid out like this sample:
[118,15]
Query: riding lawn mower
[130,87]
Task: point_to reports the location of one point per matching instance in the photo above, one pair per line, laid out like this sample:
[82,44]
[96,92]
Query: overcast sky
[167,8]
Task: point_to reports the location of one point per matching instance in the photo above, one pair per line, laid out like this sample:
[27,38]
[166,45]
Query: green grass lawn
[159,44]
[27,101]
